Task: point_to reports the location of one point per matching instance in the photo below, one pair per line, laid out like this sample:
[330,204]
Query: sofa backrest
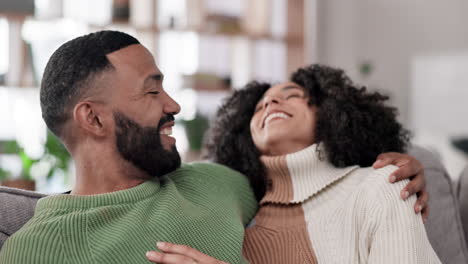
[16,208]
[443,226]
[462,192]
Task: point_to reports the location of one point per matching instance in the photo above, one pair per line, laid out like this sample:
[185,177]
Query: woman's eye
[154,92]
[258,108]
[293,96]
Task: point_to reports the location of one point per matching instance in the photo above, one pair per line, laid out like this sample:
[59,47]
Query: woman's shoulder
[377,191]
[377,180]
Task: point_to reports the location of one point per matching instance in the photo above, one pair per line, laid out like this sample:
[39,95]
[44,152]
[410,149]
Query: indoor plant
[54,154]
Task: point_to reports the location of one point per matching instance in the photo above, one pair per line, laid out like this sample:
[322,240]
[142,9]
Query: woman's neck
[285,148]
[297,176]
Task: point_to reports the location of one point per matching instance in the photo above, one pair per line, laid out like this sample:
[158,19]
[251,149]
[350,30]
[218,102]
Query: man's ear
[91,117]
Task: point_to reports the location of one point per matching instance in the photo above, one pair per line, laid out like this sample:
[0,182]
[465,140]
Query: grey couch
[443,227]
[462,192]
[16,207]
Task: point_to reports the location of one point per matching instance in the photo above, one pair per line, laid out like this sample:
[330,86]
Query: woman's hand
[410,168]
[179,254]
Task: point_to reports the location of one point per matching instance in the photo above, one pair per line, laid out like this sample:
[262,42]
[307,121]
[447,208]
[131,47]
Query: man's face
[142,112]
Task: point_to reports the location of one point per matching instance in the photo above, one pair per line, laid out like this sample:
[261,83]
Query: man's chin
[172,152]
[168,161]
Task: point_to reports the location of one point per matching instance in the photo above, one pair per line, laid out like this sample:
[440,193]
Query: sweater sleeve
[398,234]
[33,244]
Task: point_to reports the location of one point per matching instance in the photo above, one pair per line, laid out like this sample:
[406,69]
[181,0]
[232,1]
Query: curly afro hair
[353,125]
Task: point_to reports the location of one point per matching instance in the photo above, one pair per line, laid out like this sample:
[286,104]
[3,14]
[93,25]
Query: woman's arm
[179,254]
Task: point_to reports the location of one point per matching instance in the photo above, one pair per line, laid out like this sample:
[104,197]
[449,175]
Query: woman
[307,149]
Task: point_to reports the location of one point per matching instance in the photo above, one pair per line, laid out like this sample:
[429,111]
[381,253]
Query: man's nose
[172,107]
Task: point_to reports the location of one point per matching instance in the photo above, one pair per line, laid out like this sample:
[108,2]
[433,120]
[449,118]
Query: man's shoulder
[212,178]
[34,243]
[208,171]
[206,166]
[225,184]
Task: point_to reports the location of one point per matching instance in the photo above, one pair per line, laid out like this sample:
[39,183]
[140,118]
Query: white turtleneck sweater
[314,212]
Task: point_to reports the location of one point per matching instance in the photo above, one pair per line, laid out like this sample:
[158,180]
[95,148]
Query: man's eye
[154,92]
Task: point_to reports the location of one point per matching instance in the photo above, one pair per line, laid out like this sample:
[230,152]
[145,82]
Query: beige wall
[388,33]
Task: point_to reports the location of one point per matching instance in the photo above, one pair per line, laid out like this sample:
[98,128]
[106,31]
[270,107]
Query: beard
[142,147]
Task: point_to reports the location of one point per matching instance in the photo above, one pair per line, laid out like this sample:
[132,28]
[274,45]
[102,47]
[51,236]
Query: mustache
[166,119]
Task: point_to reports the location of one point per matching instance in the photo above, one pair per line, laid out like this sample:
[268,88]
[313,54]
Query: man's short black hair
[71,69]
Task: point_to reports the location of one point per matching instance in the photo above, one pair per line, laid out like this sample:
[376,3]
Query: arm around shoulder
[398,234]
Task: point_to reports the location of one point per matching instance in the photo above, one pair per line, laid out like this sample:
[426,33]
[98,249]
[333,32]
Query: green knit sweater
[205,206]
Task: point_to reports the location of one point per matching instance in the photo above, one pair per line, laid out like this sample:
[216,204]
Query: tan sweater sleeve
[396,234]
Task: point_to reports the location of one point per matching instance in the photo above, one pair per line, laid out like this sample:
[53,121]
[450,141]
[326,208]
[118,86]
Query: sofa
[16,208]
[444,225]
[462,193]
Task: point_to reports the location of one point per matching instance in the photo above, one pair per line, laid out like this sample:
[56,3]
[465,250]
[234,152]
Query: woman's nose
[270,100]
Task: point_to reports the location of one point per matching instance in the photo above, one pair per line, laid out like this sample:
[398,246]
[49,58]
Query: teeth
[276,115]
[166,131]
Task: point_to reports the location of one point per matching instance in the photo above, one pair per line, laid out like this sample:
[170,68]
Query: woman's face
[283,121]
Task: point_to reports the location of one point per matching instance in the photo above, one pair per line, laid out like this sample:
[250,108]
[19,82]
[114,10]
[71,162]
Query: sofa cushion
[462,191]
[16,208]
[443,226]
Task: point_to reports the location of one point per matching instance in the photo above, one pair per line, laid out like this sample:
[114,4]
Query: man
[102,95]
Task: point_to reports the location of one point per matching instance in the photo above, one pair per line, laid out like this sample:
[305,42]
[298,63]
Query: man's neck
[89,188]
[99,175]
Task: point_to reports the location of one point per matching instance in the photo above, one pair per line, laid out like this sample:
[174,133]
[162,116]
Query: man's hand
[410,168]
[179,254]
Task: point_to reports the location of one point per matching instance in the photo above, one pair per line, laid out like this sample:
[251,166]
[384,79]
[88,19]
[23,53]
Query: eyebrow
[289,87]
[152,78]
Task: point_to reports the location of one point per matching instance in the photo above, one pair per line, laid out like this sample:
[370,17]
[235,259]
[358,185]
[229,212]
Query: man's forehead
[135,58]
[130,49]
[133,54]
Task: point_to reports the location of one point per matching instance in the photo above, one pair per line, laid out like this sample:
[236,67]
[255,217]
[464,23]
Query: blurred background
[415,51]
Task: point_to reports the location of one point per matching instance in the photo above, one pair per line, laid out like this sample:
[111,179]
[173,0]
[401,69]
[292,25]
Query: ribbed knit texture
[334,215]
[205,206]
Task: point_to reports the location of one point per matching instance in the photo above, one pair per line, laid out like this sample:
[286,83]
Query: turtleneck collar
[296,177]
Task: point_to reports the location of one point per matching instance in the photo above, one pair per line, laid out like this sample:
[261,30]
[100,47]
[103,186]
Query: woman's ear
[92,118]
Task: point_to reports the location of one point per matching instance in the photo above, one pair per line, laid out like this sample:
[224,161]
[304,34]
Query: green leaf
[27,165]
[4,174]
[12,147]
[50,174]
[55,148]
